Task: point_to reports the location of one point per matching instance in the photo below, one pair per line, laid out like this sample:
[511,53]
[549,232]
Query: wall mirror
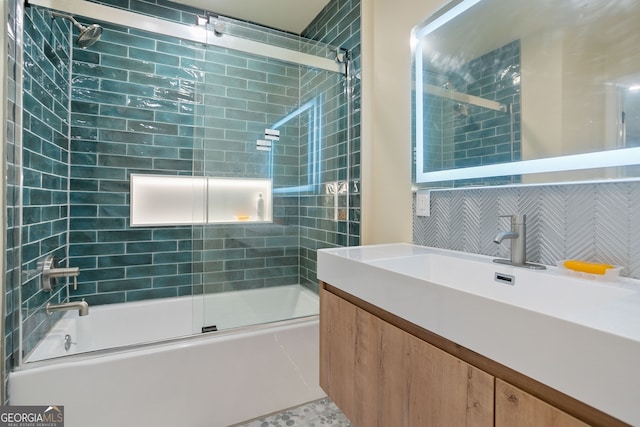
[520,91]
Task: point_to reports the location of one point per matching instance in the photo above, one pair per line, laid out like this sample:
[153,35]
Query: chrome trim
[4,95]
[192,33]
[47,283]
[81,306]
[126,18]
[528,265]
[18,175]
[274,52]
[466,98]
[51,272]
[505,279]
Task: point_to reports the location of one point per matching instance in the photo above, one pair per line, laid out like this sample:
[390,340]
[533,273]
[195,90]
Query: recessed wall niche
[162,200]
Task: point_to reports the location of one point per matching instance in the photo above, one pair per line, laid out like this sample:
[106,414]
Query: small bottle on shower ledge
[260,207]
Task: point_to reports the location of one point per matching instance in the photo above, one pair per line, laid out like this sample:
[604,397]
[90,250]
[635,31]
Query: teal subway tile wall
[141,103]
[133,110]
[464,135]
[338,24]
[481,136]
[44,163]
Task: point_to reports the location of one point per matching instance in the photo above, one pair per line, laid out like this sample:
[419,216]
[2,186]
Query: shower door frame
[4,95]
[194,33]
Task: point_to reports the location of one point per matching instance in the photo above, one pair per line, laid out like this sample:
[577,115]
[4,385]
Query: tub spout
[81,306]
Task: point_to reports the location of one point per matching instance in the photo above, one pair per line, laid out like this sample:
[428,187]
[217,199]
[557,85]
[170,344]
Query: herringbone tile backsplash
[593,222]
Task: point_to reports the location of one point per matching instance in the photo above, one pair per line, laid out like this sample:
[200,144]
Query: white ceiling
[288,15]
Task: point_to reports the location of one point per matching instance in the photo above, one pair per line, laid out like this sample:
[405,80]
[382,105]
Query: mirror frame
[585,161]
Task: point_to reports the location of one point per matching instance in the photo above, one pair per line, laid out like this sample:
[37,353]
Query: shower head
[88,35]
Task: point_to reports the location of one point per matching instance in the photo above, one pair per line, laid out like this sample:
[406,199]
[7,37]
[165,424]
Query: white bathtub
[209,380]
[118,325]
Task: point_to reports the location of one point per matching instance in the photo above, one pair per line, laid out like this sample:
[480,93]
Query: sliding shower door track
[194,33]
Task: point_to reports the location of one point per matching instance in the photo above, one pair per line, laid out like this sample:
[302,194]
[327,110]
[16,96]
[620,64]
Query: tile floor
[319,413]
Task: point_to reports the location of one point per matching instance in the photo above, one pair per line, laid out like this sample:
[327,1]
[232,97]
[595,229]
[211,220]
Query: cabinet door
[422,385]
[348,350]
[379,375]
[515,407]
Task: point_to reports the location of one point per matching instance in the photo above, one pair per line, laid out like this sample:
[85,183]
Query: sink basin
[547,291]
[577,335]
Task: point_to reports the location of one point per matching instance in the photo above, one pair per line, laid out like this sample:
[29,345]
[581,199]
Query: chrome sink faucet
[518,237]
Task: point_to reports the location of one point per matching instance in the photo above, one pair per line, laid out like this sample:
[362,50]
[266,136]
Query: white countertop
[579,336]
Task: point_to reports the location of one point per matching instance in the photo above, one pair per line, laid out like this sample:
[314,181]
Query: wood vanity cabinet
[391,373]
[515,407]
[379,375]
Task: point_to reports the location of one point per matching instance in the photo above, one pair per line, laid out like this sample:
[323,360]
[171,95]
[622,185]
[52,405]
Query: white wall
[541,96]
[386,117]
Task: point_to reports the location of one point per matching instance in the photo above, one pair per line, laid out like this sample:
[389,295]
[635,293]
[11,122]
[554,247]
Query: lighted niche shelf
[158,200]
[239,200]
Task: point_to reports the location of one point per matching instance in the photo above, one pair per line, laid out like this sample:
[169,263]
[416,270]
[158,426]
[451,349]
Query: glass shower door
[279,122]
[130,126]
